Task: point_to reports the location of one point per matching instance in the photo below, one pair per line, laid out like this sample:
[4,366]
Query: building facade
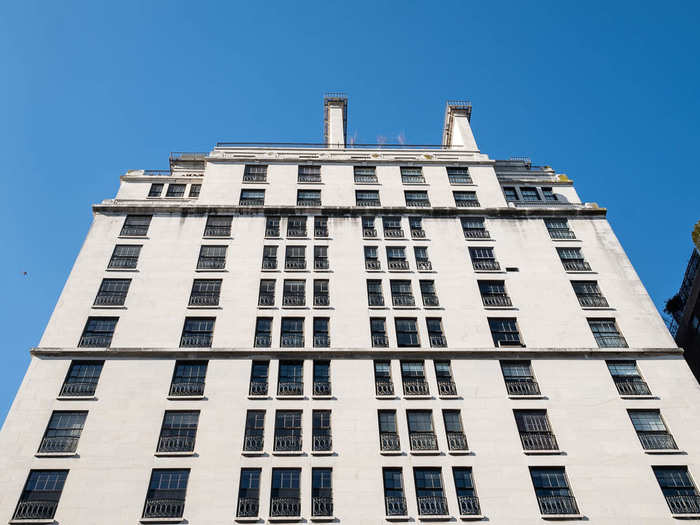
[357,334]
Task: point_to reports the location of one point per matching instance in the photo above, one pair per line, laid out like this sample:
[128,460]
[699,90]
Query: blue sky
[603,91]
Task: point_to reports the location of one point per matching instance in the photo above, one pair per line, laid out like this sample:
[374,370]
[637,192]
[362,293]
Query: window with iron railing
[428,293]
[529,194]
[178,432]
[421,433]
[40,496]
[284,495]
[483,259]
[321,258]
[321,438]
[535,430]
[63,432]
[375,296]
[416,226]
[263,332]
[365,175]
[436,334]
[321,492]
[467,500]
[292,334]
[166,493]
[188,379]
[309,174]
[252,198]
[407,332]
[552,491]
[396,258]
[493,293]
[259,372]
[504,331]
[291,378]
[205,292]
[212,258]
[384,385]
[269,261]
[456,439]
[422,261]
[296,226]
[628,380]
[588,294]
[135,226]
[98,332]
[466,199]
[457,175]
[218,226]
[322,378]
[474,228]
[195,190]
[445,381]
[294,292]
[295,258]
[322,338]
[266,292]
[606,333]
[321,293]
[519,378]
[679,489]
[287,431]
[651,430]
[156,189]
[394,498]
[197,332]
[572,260]
[549,195]
[430,494]
[417,199]
[272,227]
[255,173]
[372,258]
[175,190]
[81,379]
[412,175]
[124,256]
[253,438]
[559,229]
[368,229]
[320,226]
[510,194]
[367,198]
[413,379]
[378,332]
[401,293]
[112,292]
[392,227]
[389,440]
[248,505]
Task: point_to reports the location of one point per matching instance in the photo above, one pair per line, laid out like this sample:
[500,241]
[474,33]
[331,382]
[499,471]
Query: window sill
[489,271]
[267,307]
[210,270]
[323,453]
[426,453]
[174,454]
[664,451]
[108,307]
[543,452]
[405,307]
[434,307]
[387,397]
[323,307]
[426,396]
[583,272]
[185,398]
[562,516]
[76,398]
[643,396]
[253,453]
[132,237]
[566,240]
[427,271]
[397,518]
[216,237]
[270,270]
[295,307]
[118,270]
[295,238]
[401,271]
[374,271]
[288,453]
[676,516]
[212,307]
[437,517]
[500,308]
[323,270]
[526,396]
[56,455]
[276,237]
[292,270]
[472,517]
[465,452]
[599,308]
[378,307]
[274,519]
[291,397]
[259,397]
[322,396]
[162,520]
[248,519]
[455,396]
[37,521]
[322,518]
[391,452]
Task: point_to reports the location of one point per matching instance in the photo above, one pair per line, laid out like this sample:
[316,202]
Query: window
[218,226]
[136,225]
[401,293]
[456,440]
[377,327]
[156,189]
[205,292]
[422,261]
[549,195]
[394,499]
[98,332]
[249,493]
[188,379]
[63,432]
[322,338]
[291,378]
[295,258]
[372,258]
[81,379]
[365,175]
[396,258]
[263,332]
[253,440]
[588,294]
[197,332]
[166,493]
[252,198]
[417,199]
[321,431]
[606,333]
[416,225]
[552,490]
[309,174]
[175,190]
[255,173]
[212,258]
[420,430]
[392,226]
[466,199]
[266,292]
[510,194]
[412,176]
[429,492]
[179,431]
[296,226]
[406,332]
[559,229]
[530,194]
[321,492]
[294,293]
[195,190]
[427,290]
[651,430]
[368,229]
[493,293]
[288,431]
[321,258]
[627,378]
[367,198]
[572,260]
[321,226]
[678,488]
[457,175]
[112,292]
[272,227]
[474,228]
[435,332]
[292,332]
[322,378]
[445,382]
[384,386]
[535,431]
[467,499]
[284,496]
[124,256]
[269,261]
[375,296]
[504,331]
[389,440]
[258,378]
[483,259]
[519,378]
[40,495]
[413,379]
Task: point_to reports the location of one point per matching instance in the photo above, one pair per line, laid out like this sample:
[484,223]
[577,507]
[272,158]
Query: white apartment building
[356,334]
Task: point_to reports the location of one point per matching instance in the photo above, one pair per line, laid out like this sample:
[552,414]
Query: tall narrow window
[416,226]
[504,331]
[466,199]
[322,338]
[166,493]
[195,190]
[572,260]
[321,492]
[430,492]
[559,229]
[457,175]
[287,431]
[40,496]
[519,378]
[321,294]
[401,293]
[112,292]
[322,440]
[483,259]
[188,379]
[284,496]
[389,440]
[368,229]
[411,175]
[295,258]
[552,490]
[205,292]
[436,335]
[420,430]
[322,378]
[249,493]
[292,332]
[372,258]
[493,293]
[269,261]
[309,174]
[467,499]
[98,332]
[255,173]
[81,379]
[266,292]
[679,489]
[456,440]
[218,226]
[63,432]
[606,333]
[365,175]
[197,332]
[272,226]
[445,381]
[212,258]
[474,228]
[535,430]
[124,257]
[377,327]
[406,332]
[422,260]
[258,378]
[320,226]
[263,332]
[252,198]
[588,294]
[413,378]
[394,498]
[291,378]
[384,386]
[294,293]
[375,296]
[651,430]
[296,226]
[321,258]
[176,190]
[417,199]
[392,227]
[136,225]
[428,293]
[178,432]
[628,380]
[253,440]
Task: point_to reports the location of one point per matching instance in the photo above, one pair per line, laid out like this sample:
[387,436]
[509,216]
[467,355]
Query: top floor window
[218,226]
[549,195]
[308,197]
[365,175]
[255,173]
[529,194]
[417,199]
[136,225]
[457,175]
[252,198]
[412,175]
[156,189]
[473,228]
[176,190]
[309,174]
[195,190]
[559,229]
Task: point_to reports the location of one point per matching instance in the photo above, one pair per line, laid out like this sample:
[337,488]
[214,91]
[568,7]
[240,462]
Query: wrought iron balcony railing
[375,299]
[295,264]
[285,506]
[134,231]
[309,177]
[251,202]
[266,300]
[417,203]
[204,299]
[59,444]
[294,299]
[248,507]
[253,442]
[322,300]
[430,300]
[522,387]
[269,264]
[384,387]
[373,264]
[403,299]
[107,299]
[438,341]
[322,388]
[634,386]
[467,204]
[322,341]
[293,341]
[296,232]
[417,233]
[424,265]
[308,202]
[592,300]
[393,232]
[457,441]
[366,179]
[272,232]
[79,389]
[412,179]
[415,387]
[254,177]
[576,265]
[486,265]
[657,440]
[165,504]
[532,440]
[95,341]
[389,441]
[496,300]
[41,507]
[123,261]
[290,388]
[610,341]
[476,233]
[398,265]
[368,202]
[257,388]
[263,341]
[322,443]
[684,503]
[176,444]
[557,504]
[468,505]
[211,263]
[447,387]
[197,340]
[557,233]
[322,506]
[217,231]
[369,232]
[432,505]
[287,443]
[380,341]
[395,506]
[423,440]
[321,232]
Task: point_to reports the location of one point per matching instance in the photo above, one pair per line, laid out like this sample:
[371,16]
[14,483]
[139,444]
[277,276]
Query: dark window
[535,431]
[179,431]
[417,198]
[678,488]
[559,229]
[295,258]
[156,189]
[321,258]
[412,175]
[284,496]
[456,440]
[552,490]
[296,226]
[510,194]
[252,198]
[606,333]
[291,378]
[272,227]
[530,194]
[429,492]
[322,338]
[549,195]
[422,261]
[112,292]
[445,382]
[321,226]
[166,493]
[263,332]
[457,175]
[406,332]
[493,293]
[519,378]
[394,499]
[367,198]
[269,261]
[197,332]
[427,290]
[288,431]
[627,378]
[321,431]
[322,378]
[309,174]
[98,332]
[389,440]
[383,383]
[378,330]
[588,294]
[467,499]
[218,226]
[504,331]
[573,260]
[396,258]
[255,173]
[651,430]
[375,296]
[249,493]
[413,379]
[81,379]
[372,258]
[176,190]
[258,378]
[483,259]
[136,225]
[205,292]
[266,293]
[292,332]
[294,292]
[40,495]
[188,379]
[401,293]
[195,190]
[253,440]
[435,332]
[321,492]
[416,226]
[368,229]
[466,199]
[125,256]
[420,430]
[212,258]
[63,432]
[474,228]
[365,175]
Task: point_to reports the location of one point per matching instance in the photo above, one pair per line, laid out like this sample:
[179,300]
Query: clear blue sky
[606,92]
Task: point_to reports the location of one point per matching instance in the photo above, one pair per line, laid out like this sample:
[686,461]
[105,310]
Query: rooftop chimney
[335,120]
[457,133]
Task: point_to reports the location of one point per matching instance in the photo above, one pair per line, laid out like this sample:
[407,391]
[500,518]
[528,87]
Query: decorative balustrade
[393,232]
[533,440]
[447,387]
[369,232]
[322,443]
[285,506]
[592,300]
[322,341]
[486,265]
[432,505]
[293,341]
[295,264]
[684,503]
[373,264]
[322,300]
[269,264]
[423,441]
[395,506]
[476,233]
[632,386]
[176,443]
[398,265]
[253,442]
[263,341]
[322,388]
[165,504]
[380,341]
[403,299]
[322,506]
[424,265]
[522,387]
[576,265]
[415,387]
[59,444]
[610,341]
[457,441]
[79,389]
[287,443]
[468,505]
[204,299]
[557,504]
[248,507]
[290,388]
[294,299]
[657,440]
[496,300]
[192,387]
[197,340]
[40,508]
[384,387]
[438,341]
[258,388]
[389,441]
